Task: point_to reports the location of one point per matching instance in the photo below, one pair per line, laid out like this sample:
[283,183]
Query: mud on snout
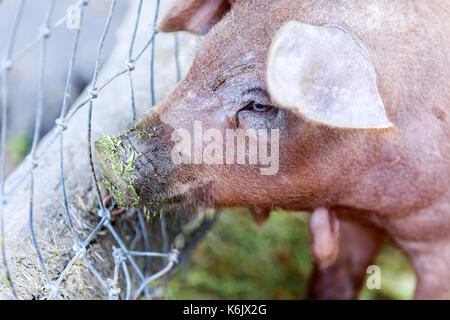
[136,165]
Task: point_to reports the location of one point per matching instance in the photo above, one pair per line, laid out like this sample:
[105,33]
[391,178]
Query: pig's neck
[395,175]
[409,197]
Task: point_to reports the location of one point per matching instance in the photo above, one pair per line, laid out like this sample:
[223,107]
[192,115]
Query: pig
[357,92]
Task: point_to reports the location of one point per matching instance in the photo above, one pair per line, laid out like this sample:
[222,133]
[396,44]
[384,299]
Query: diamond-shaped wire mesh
[89,219]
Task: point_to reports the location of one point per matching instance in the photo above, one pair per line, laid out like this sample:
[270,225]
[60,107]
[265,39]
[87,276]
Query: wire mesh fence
[135,274]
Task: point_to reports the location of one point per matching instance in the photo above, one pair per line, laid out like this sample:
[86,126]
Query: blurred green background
[241,260]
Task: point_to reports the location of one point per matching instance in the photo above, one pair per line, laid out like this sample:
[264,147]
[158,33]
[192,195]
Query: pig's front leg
[432,267]
[357,248]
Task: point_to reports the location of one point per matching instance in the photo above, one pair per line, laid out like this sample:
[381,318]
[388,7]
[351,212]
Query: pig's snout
[136,165]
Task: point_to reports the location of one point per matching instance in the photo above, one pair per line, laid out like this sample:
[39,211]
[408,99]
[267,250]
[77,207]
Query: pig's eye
[257,107]
[256,115]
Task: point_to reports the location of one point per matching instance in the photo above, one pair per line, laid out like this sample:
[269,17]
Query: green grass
[240,260]
[397,276]
[19,145]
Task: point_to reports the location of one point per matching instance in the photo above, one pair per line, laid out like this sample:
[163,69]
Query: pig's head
[305,95]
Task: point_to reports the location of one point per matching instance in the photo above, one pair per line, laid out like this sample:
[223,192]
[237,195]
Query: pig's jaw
[185,188]
[193,195]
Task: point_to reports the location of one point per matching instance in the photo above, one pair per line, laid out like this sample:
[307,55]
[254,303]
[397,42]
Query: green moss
[146,212]
[150,211]
[119,168]
[128,131]
[122,175]
[152,208]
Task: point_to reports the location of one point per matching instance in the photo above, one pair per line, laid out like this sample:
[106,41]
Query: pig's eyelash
[256,94]
[256,90]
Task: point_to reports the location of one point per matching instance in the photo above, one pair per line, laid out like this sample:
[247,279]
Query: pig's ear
[195,16]
[325,74]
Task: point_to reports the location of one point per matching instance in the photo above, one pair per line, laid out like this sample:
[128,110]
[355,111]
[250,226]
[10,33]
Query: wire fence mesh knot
[45,32]
[80,250]
[104,213]
[82,3]
[173,256]
[6,65]
[113,290]
[61,124]
[118,255]
[52,289]
[93,93]
[131,64]
[34,163]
